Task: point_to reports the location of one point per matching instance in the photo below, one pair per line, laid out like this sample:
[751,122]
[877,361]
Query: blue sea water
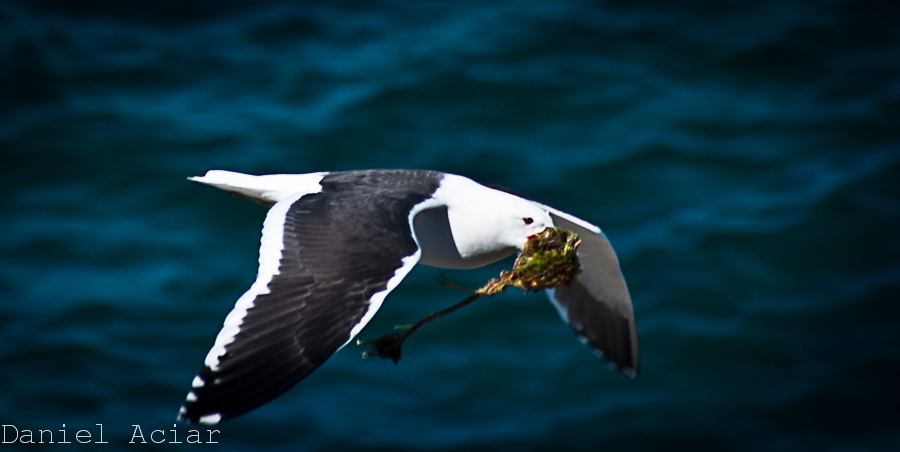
[743,158]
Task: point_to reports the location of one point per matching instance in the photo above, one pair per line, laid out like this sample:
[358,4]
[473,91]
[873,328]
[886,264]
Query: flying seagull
[334,244]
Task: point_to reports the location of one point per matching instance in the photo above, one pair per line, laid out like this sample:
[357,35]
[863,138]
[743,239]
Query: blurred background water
[743,157]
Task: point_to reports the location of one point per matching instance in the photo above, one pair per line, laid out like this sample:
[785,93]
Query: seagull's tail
[265,190]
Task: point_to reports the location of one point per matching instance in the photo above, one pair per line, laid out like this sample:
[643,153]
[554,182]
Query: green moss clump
[548,260]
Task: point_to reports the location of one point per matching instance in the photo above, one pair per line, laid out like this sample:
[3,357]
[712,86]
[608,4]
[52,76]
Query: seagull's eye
[527,220]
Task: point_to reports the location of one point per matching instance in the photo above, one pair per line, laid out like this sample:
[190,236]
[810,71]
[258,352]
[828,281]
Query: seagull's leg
[442,280]
[388,346]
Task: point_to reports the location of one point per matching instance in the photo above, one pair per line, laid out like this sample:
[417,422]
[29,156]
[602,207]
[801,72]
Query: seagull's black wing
[597,304]
[327,260]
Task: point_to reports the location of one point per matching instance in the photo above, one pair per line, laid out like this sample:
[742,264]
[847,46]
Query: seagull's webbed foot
[387,346]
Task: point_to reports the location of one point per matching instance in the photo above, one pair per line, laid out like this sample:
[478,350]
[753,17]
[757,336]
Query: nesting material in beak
[548,260]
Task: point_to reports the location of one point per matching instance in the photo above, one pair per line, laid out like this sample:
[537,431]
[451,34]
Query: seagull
[334,245]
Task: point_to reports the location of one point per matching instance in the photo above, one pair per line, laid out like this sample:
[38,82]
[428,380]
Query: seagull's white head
[516,220]
[488,222]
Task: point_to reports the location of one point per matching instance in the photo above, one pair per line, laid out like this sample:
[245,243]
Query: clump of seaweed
[548,260]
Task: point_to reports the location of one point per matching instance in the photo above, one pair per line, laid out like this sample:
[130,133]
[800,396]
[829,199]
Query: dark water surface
[743,157]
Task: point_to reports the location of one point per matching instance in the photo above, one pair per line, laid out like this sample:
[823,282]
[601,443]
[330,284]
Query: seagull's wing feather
[597,304]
